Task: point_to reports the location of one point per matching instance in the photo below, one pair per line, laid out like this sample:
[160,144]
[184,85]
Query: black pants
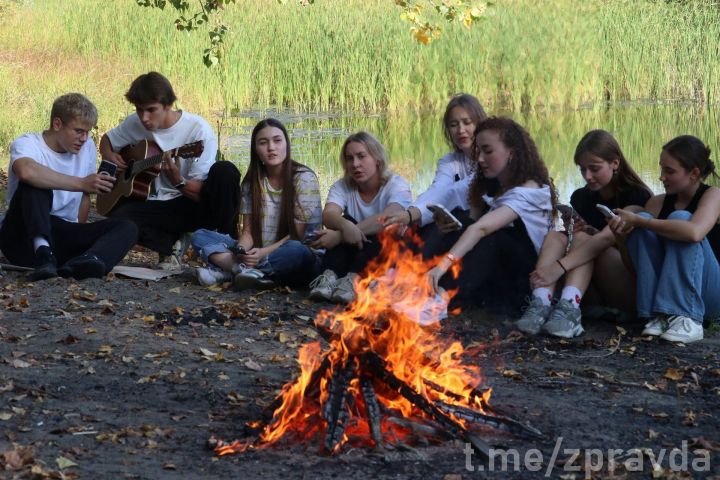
[345,258]
[28,217]
[494,274]
[161,223]
[435,242]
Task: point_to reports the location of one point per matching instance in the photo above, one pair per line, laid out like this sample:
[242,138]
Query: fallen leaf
[673,374]
[511,374]
[252,365]
[17,363]
[706,444]
[658,415]
[170,466]
[174,290]
[64,462]
[5,416]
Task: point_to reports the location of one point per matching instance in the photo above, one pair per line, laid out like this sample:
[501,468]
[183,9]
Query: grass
[357,56]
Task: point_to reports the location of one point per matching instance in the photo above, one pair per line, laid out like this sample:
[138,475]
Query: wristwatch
[180,185]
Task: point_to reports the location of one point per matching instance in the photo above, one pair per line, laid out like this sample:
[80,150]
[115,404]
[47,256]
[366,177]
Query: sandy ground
[124,378]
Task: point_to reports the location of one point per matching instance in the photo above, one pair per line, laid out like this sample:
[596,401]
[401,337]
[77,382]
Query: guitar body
[129,185]
[144,160]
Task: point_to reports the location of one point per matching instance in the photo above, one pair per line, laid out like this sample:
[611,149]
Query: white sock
[573,294]
[40,241]
[543,294]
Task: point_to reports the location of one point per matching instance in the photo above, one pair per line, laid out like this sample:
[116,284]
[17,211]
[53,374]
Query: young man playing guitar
[189,193]
[52,175]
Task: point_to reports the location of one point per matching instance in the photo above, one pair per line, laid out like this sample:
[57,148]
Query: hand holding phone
[107,168]
[237,249]
[607,213]
[443,215]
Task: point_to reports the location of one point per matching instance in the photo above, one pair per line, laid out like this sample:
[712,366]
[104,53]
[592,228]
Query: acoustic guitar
[143,166]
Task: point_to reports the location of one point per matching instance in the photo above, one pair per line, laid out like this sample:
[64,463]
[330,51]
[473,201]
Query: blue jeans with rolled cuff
[674,278]
[292,263]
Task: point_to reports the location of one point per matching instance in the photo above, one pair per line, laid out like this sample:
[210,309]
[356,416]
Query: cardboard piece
[143,273]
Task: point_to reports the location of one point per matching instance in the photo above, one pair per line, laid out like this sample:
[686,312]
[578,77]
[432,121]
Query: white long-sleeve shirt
[449,187]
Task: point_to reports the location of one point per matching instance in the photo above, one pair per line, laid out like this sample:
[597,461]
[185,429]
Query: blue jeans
[292,263]
[674,278]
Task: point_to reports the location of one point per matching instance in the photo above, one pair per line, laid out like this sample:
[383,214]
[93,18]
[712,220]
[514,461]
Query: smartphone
[444,214]
[107,168]
[310,237]
[237,250]
[567,211]
[607,213]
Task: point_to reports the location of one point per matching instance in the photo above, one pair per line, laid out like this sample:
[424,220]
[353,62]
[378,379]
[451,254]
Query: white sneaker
[323,286]
[181,246]
[345,289]
[212,275]
[170,263]
[682,329]
[656,327]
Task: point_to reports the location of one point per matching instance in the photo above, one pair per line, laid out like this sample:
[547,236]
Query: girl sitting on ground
[280,206]
[674,245]
[512,198]
[354,211]
[450,185]
[610,181]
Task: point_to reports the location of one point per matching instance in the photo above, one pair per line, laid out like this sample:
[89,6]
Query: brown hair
[151,87]
[602,144]
[473,108]
[527,164]
[691,152]
[253,181]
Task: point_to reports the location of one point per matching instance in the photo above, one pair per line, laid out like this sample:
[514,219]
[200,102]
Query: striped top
[308,209]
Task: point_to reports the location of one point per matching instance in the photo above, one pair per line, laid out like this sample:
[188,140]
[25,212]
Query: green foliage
[414,11]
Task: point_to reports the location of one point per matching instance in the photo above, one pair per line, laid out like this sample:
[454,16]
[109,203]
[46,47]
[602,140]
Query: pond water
[415,142]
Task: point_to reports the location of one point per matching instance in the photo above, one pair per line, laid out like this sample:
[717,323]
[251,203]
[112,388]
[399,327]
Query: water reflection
[415,142]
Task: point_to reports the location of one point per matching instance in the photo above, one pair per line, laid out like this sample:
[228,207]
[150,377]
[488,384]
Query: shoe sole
[574,332]
[652,333]
[251,283]
[670,338]
[319,297]
[43,274]
[83,270]
[528,330]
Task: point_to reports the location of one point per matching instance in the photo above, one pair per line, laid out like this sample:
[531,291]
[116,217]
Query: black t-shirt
[583,200]
[668,207]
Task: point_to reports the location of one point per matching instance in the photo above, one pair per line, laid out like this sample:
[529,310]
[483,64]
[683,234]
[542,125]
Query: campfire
[388,378]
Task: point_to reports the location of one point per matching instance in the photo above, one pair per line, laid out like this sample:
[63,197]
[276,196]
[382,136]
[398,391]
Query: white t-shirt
[451,169]
[66,205]
[532,205]
[395,190]
[189,128]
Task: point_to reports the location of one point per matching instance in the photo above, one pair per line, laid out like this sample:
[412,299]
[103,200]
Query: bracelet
[561,265]
[409,216]
[453,259]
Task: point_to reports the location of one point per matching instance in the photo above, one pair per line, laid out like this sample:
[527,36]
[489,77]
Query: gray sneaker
[170,263]
[564,320]
[534,316]
[657,326]
[345,290]
[323,286]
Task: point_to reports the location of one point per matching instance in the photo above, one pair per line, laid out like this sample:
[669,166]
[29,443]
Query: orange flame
[396,315]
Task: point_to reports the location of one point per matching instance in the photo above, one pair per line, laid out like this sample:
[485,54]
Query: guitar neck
[144,164]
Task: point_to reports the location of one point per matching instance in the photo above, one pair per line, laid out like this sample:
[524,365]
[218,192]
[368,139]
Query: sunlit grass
[357,57]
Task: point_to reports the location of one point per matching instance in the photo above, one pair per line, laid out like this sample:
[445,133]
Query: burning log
[372,409]
[386,375]
[336,407]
